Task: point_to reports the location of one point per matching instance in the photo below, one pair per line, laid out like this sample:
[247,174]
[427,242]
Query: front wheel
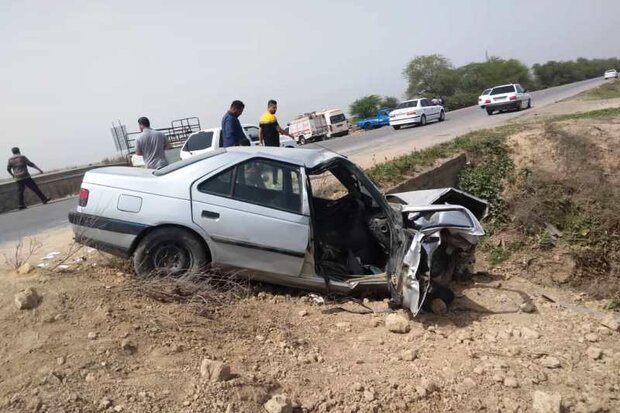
[529,103]
[442,116]
[489,112]
[302,140]
[367,126]
[423,120]
[396,127]
[170,252]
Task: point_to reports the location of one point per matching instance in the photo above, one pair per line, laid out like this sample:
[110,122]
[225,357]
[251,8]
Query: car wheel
[423,120]
[170,252]
[367,126]
[442,116]
[302,140]
[529,103]
[489,112]
[396,127]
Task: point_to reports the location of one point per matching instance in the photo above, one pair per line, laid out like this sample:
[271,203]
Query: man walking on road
[18,169]
[270,130]
[151,145]
[232,132]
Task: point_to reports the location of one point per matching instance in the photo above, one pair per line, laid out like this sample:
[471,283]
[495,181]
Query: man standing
[270,130]
[18,169]
[232,132]
[151,145]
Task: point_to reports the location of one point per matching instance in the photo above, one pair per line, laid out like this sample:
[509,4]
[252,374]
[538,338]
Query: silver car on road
[302,218]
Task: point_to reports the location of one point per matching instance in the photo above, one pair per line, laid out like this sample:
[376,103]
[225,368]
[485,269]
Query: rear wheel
[489,112]
[529,103]
[423,120]
[442,116]
[396,127]
[170,252]
[367,126]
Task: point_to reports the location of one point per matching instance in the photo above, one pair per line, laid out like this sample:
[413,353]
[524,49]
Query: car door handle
[210,214]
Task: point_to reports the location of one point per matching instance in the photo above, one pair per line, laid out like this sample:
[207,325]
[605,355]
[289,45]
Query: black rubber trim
[103,246]
[259,247]
[106,224]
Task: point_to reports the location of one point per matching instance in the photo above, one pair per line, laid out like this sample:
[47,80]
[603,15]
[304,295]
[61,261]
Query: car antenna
[330,150]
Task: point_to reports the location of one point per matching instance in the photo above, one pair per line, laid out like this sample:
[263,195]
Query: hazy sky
[70,68]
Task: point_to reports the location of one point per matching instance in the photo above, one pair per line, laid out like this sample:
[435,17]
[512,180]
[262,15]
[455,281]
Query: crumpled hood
[452,196]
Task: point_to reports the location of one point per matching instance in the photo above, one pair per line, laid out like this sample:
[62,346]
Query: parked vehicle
[610,74]
[308,127]
[507,97]
[337,123]
[208,140]
[416,111]
[382,118]
[483,97]
[273,215]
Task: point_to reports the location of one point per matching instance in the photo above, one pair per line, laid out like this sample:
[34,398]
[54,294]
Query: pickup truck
[382,118]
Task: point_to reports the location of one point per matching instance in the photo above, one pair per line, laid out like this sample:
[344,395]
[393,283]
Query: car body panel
[411,112]
[610,74]
[500,98]
[382,118]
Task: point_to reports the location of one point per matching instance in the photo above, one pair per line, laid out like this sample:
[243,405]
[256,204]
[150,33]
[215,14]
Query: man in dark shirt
[232,132]
[18,168]
[270,130]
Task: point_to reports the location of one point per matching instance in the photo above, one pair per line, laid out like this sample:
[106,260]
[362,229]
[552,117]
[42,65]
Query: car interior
[351,231]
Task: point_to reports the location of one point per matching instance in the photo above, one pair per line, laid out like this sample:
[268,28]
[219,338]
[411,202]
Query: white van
[337,123]
[308,127]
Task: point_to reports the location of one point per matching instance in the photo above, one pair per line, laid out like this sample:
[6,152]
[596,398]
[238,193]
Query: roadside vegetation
[609,90]
[368,106]
[434,75]
[565,201]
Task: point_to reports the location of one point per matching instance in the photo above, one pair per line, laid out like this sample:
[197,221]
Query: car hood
[478,207]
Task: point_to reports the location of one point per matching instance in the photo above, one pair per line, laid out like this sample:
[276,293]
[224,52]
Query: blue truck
[382,118]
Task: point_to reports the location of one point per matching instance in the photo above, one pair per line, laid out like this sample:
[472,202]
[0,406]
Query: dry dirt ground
[100,341]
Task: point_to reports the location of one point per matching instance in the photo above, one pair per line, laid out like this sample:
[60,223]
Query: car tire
[529,103]
[489,112]
[170,252]
[367,126]
[302,140]
[442,116]
[396,127]
[422,121]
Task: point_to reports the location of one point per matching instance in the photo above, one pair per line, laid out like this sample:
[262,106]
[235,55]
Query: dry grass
[22,253]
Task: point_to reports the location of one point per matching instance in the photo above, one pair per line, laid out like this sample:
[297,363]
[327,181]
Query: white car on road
[416,111]
[611,74]
[211,139]
[507,97]
[483,97]
[272,214]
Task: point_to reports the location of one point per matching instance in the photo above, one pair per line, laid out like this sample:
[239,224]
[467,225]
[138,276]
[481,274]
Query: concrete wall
[438,176]
[54,185]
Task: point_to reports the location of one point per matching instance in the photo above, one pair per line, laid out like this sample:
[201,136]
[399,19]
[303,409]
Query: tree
[475,77]
[430,75]
[389,102]
[366,106]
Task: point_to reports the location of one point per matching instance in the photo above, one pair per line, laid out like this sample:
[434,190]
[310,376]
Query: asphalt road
[358,146]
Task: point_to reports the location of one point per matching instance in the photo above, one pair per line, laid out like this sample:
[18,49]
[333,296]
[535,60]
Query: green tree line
[434,75]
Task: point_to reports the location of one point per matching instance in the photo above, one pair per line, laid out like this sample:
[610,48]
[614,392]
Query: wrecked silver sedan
[302,218]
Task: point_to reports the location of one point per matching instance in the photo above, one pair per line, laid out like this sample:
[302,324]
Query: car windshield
[408,104]
[337,118]
[199,141]
[610,71]
[486,92]
[502,90]
[175,166]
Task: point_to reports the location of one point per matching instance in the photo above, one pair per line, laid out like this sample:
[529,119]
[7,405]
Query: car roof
[308,158]
[507,84]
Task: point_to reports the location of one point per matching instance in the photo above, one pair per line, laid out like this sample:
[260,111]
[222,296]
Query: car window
[424,102]
[325,185]
[268,183]
[502,90]
[220,184]
[252,132]
[519,89]
[199,141]
[486,92]
[409,104]
[337,118]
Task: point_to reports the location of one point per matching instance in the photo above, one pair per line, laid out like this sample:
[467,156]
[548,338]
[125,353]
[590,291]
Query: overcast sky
[70,68]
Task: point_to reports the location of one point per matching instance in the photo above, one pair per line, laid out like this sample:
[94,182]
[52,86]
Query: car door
[257,216]
[426,109]
[252,133]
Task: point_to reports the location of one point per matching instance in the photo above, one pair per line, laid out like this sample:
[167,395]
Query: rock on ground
[279,404]
[25,269]
[27,299]
[215,371]
[397,323]
[546,402]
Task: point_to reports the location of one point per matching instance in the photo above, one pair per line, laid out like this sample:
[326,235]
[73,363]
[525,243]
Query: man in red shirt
[18,169]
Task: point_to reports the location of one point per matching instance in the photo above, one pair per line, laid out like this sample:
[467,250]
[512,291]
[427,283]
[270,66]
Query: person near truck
[151,145]
[270,131]
[232,132]
[18,169]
